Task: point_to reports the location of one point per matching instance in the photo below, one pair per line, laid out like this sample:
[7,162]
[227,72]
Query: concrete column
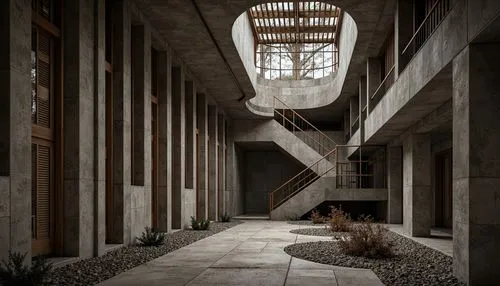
[15,123]
[417,192]
[99,130]
[189,196]
[141,196]
[79,92]
[395,185]
[121,124]
[178,148]
[213,194]
[403,31]
[164,140]
[190,135]
[476,167]
[202,122]
[220,163]
[231,188]
[373,79]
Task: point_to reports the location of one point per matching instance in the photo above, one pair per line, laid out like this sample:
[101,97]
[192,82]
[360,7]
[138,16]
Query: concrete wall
[81,219]
[15,123]
[264,172]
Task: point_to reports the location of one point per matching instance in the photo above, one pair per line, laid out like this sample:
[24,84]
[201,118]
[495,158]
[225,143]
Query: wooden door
[45,54]
[154,162]
[443,187]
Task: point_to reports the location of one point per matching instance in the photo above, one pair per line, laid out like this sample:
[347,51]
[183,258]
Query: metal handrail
[424,22]
[293,123]
[387,76]
[309,168]
[305,120]
[421,25]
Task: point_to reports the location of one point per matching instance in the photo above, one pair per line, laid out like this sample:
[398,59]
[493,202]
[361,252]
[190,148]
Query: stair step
[252,217]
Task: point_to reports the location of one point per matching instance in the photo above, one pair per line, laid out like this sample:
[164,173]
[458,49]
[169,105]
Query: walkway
[440,240]
[248,254]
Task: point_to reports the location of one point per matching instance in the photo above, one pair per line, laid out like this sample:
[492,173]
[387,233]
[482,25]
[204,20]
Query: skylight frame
[308,22]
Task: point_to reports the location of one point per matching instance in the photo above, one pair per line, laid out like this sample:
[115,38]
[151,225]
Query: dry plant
[316,217]
[368,240]
[339,220]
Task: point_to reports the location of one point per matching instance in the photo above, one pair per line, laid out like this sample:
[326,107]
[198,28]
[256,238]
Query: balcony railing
[434,17]
[365,170]
[384,86]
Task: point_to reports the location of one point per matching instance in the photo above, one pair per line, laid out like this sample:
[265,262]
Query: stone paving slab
[247,254]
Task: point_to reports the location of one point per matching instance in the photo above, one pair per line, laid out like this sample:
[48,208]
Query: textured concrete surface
[178,146]
[213,141]
[425,83]
[248,254]
[394,185]
[164,140]
[440,240]
[323,189]
[79,131]
[476,167]
[202,125]
[417,193]
[15,140]
[272,131]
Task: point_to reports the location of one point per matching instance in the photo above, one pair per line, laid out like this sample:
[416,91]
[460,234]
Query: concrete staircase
[271,131]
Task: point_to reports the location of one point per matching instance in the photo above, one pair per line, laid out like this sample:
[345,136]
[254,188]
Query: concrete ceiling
[220,70]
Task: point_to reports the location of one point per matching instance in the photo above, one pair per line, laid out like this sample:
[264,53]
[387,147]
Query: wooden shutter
[42,140]
[42,190]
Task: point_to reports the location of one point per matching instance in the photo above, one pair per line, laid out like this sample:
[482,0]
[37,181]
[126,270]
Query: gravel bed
[323,231]
[414,264]
[304,222]
[96,269]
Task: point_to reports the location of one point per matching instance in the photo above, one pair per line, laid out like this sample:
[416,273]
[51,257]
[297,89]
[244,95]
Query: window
[295,40]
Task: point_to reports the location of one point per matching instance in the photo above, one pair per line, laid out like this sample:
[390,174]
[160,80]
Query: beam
[291,14]
[291,29]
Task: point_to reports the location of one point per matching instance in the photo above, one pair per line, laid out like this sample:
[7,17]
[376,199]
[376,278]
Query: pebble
[413,264]
[323,231]
[94,270]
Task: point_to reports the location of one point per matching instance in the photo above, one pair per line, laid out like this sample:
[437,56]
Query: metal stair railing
[302,128]
[303,179]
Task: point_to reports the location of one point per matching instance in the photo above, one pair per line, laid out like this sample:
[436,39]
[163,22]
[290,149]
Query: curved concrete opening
[297,94]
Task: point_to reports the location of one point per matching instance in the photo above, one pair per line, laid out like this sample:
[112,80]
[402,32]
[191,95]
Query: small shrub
[15,272]
[367,240]
[151,237]
[339,221]
[225,217]
[293,217]
[316,217]
[200,224]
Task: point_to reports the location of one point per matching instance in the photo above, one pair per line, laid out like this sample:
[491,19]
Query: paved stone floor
[248,254]
[440,240]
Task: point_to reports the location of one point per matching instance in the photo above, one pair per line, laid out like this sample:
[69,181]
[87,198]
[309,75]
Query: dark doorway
[443,194]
